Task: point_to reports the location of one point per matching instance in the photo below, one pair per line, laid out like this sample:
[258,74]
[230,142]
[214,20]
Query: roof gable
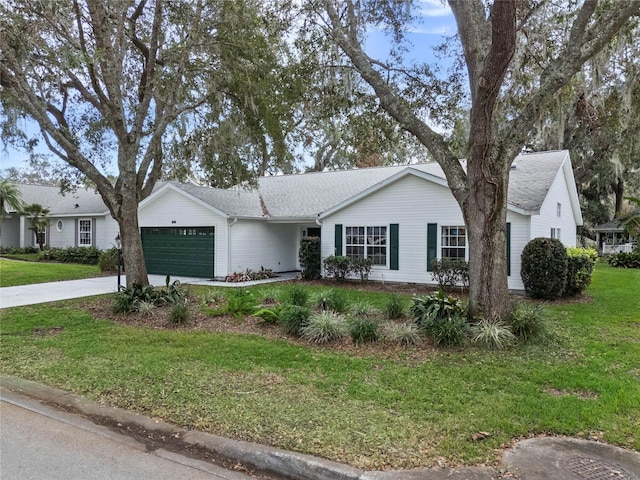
[81,202]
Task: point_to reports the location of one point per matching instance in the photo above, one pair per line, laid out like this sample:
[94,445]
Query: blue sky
[435,23]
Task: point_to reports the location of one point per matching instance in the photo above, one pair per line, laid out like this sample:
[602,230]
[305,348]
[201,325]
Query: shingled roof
[305,196]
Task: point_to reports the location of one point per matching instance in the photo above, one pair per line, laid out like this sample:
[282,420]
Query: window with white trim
[555,233]
[368,242]
[454,242]
[84,233]
[558,210]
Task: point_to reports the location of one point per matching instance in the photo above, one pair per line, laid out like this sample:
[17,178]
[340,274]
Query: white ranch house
[402,216]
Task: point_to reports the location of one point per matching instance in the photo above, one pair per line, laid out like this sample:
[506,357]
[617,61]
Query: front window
[454,242]
[368,242]
[84,233]
[555,233]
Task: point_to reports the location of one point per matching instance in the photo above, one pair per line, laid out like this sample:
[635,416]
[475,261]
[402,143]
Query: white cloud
[433,8]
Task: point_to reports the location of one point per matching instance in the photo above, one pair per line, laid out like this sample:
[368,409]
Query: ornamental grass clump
[493,334]
[294,318]
[406,334]
[441,317]
[394,306]
[324,327]
[296,295]
[362,309]
[179,313]
[529,322]
[363,330]
[334,300]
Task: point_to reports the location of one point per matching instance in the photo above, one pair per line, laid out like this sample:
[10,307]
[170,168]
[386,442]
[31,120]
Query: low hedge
[625,260]
[84,255]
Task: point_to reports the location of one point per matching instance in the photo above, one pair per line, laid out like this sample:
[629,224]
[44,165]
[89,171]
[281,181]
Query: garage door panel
[187,251]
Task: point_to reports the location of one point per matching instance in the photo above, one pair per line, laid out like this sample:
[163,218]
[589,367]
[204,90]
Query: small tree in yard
[36,214]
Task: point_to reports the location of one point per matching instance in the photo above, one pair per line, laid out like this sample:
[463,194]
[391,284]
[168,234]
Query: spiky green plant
[324,327]
[493,334]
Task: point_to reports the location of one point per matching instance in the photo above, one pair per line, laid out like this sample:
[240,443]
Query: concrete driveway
[53,291]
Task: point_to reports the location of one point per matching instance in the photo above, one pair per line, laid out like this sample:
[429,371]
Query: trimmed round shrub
[544,268]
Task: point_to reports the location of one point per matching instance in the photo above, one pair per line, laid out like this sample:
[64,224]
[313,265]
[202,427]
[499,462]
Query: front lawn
[16,272]
[421,407]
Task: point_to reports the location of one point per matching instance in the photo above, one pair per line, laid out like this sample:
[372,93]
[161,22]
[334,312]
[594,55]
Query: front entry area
[185,251]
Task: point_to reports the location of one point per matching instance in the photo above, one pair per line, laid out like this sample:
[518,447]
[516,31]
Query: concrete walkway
[53,291]
[550,458]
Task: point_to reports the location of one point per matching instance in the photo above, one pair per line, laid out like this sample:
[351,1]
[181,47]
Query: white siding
[255,244]
[10,231]
[520,236]
[64,239]
[542,224]
[106,231]
[173,209]
[413,203]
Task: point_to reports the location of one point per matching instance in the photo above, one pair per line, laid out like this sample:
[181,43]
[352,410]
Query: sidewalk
[53,291]
[552,458]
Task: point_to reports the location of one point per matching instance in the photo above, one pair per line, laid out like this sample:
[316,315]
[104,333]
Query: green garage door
[186,251]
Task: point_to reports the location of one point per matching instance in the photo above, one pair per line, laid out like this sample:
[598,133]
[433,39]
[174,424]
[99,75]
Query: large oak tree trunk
[485,213]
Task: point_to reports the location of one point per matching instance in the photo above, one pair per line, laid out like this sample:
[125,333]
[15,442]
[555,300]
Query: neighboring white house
[77,218]
[402,216]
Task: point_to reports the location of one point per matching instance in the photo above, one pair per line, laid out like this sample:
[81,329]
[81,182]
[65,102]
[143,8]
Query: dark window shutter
[393,241]
[432,245]
[508,248]
[338,249]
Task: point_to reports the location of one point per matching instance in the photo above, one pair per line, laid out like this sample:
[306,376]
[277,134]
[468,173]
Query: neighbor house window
[555,233]
[454,242]
[369,242]
[559,210]
[60,225]
[84,233]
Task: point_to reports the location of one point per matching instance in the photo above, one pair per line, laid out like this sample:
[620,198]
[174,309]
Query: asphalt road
[39,443]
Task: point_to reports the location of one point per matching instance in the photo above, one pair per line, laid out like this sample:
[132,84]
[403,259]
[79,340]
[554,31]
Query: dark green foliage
[334,300]
[580,265]
[297,295]
[394,306]
[528,322]
[450,272]
[128,297]
[441,317]
[19,251]
[270,315]
[108,261]
[310,258]
[241,303]
[544,268]
[362,267]
[293,318]
[363,330]
[179,313]
[83,255]
[337,266]
[122,303]
[625,260]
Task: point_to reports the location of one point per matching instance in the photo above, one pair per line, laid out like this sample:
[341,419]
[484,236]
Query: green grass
[368,411]
[13,272]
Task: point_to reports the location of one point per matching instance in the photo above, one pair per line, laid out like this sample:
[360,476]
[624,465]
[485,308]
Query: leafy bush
[241,303]
[441,317]
[528,322]
[294,318]
[334,300]
[436,306]
[108,260]
[179,313]
[337,266]
[448,332]
[625,260]
[493,334]
[143,307]
[310,257]
[363,330]
[84,255]
[450,272]
[406,334]
[362,267]
[122,303]
[580,265]
[297,295]
[19,251]
[212,295]
[324,327]
[544,268]
[394,306]
[129,298]
[270,315]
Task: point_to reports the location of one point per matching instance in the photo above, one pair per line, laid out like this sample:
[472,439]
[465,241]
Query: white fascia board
[78,215]
[383,183]
[291,219]
[151,198]
[573,189]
